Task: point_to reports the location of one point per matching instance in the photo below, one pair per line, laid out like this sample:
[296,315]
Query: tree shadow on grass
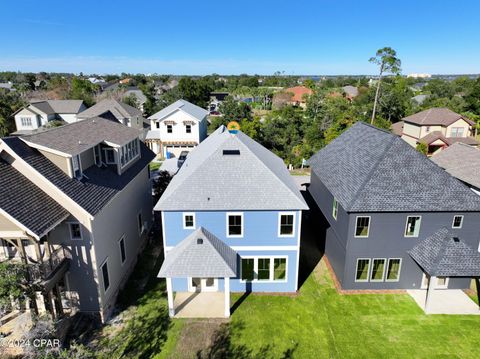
[222,346]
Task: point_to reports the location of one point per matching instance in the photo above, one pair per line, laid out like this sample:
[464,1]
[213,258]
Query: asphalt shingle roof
[371,170]
[93,194]
[27,203]
[443,254]
[207,258]
[254,179]
[182,105]
[119,109]
[461,161]
[77,137]
[436,116]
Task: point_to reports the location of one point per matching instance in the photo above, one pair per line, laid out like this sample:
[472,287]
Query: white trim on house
[399,270]
[368,270]
[184,220]
[254,248]
[417,231]
[383,271]
[227,215]
[27,231]
[298,247]
[368,227]
[165,248]
[286,213]
[271,269]
[203,285]
[461,222]
[46,149]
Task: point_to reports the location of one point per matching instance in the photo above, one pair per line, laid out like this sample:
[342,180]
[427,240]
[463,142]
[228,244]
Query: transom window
[412,228]
[169,128]
[26,121]
[286,224]
[234,224]
[264,269]
[188,220]
[188,128]
[393,269]
[457,132]
[335,209]
[363,267]
[362,226]
[378,270]
[457,222]
[75,231]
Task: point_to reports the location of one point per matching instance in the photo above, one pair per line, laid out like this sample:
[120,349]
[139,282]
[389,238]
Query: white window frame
[105,150]
[271,269]
[335,209]
[383,273]
[228,214]
[368,228]
[122,238]
[461,222]
[291,213]
[105,290]
[26,121]
[419,226]
[356,270]
[399,270]
[71,233]
[185,214]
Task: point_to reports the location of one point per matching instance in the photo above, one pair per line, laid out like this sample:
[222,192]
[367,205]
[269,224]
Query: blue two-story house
[231,221]
[396,219]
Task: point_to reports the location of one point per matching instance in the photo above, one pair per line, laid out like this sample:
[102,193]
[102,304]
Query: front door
[203,285]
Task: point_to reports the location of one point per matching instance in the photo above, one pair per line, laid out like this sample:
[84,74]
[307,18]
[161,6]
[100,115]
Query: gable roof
[26,203]
[209,257]
[436,116]
[254,179]
[371,170]
[50,107]
[434,136]
[92,194]
[76,137]
[461,161]
[118,109]
[298,92]
[182,105]
[444,254]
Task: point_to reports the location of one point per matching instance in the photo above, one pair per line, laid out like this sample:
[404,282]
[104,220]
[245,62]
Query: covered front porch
[203,261]
[442,256]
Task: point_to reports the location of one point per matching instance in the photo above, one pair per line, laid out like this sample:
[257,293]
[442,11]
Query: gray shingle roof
[443,254]
[65,106]
[119,109]
[436,116]
[27,203]
[92,195]
[182,105]
[209,257]
[371,170]
[461,161]
[255,179]
[79,136]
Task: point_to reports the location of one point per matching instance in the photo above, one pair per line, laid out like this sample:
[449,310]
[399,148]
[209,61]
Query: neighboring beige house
[111,109]
[76,207]
[39,113]
[438,128]
[178,127]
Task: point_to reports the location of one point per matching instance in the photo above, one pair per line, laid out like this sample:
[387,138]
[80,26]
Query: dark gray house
[386,204]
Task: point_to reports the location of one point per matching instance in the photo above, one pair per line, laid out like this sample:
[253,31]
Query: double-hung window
[362,227]
[234,224]
[378,270]
[261,269]
[363,269]
[412,228]
[335,209]
[286,224]
[188,220]
[457,222]
[393,270]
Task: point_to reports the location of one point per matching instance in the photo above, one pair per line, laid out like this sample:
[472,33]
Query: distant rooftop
[57,106]
[118,109]
[182,105]
[436,116]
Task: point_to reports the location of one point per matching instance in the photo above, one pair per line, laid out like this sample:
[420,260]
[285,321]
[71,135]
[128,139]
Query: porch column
[227,296]
[40,301]
[171,309]
[430,289]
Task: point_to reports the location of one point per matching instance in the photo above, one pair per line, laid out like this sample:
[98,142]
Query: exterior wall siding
[61,162]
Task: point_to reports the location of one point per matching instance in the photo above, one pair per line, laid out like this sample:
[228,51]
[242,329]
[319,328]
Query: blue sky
[232,37]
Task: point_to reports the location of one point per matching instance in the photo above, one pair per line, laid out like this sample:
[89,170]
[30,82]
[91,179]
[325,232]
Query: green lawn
[318,323]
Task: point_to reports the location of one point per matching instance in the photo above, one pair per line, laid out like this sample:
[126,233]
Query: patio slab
[199,305]
[446,301]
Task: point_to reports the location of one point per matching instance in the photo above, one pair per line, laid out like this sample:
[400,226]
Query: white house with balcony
[178,127]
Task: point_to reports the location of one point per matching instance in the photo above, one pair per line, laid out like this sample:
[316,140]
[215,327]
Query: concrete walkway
[199,305]
[446,301]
